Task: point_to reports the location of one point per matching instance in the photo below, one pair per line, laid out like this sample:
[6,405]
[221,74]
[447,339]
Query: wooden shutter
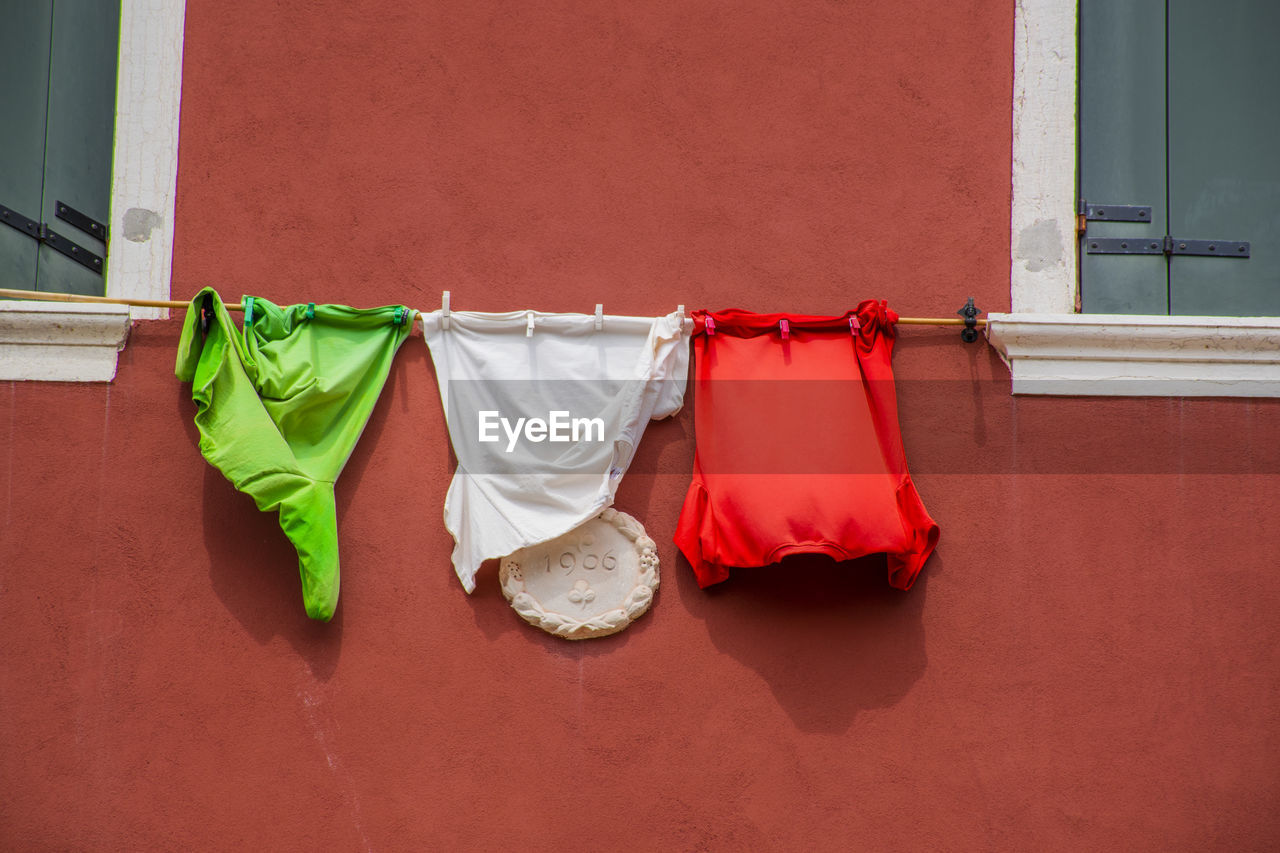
[57,108]
[1178,111]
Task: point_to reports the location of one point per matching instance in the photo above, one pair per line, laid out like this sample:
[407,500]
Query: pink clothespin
[711,326]
[854,325]
[786,329]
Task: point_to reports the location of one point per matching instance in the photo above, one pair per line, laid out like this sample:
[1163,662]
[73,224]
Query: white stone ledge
[61,342]
[1139,355]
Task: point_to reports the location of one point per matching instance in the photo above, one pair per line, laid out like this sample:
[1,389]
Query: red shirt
[799,449]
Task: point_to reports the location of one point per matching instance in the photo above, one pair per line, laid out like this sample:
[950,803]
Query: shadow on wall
[253,568]
[830,639]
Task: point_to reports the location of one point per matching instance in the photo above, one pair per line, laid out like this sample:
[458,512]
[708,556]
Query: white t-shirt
[545,424]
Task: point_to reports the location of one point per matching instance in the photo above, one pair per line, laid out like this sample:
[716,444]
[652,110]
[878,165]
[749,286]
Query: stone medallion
[590,582]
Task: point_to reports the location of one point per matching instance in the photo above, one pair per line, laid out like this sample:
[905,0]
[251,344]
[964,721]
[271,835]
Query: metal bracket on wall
[969,312]
[42,233]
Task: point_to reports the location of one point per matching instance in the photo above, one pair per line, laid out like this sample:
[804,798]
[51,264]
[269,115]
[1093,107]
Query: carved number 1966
[569,561]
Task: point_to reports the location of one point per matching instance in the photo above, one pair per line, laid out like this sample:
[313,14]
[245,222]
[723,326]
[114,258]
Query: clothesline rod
[232,306]
[937,321]
[42,296]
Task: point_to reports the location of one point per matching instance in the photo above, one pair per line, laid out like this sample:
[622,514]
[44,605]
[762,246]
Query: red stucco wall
[1088,662]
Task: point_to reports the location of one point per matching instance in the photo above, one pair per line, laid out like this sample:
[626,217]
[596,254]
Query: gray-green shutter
[1178,110]
[57,108]
[1224,153]
[1122,132]
[25,27]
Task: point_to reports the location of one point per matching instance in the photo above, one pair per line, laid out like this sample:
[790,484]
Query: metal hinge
[1115,212]
[1165,245]
[83,221]
[42,233]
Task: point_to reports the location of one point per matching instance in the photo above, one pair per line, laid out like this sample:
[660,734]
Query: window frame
[80,342]
[1049,347]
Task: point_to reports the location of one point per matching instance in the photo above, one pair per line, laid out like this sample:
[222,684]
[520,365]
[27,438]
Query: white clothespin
[599,316]
[680,311]
[444,311]
[528,329]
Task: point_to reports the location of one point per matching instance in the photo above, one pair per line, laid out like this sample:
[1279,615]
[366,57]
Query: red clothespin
[854,326]
[786,329]
[710,326]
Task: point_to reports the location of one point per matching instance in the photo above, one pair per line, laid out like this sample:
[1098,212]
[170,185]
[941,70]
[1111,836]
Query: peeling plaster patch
[1040,245]
[139,223]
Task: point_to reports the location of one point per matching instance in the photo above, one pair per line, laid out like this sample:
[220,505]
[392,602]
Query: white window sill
[1139,355]
[61,342]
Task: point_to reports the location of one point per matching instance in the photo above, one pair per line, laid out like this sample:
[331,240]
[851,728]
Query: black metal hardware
[42,233]
[14,219]
[83,221]
[1207,248]
[71,249]
[1115,212]
[1124,246]
[1166,246]
[1150,245]
[969,312]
